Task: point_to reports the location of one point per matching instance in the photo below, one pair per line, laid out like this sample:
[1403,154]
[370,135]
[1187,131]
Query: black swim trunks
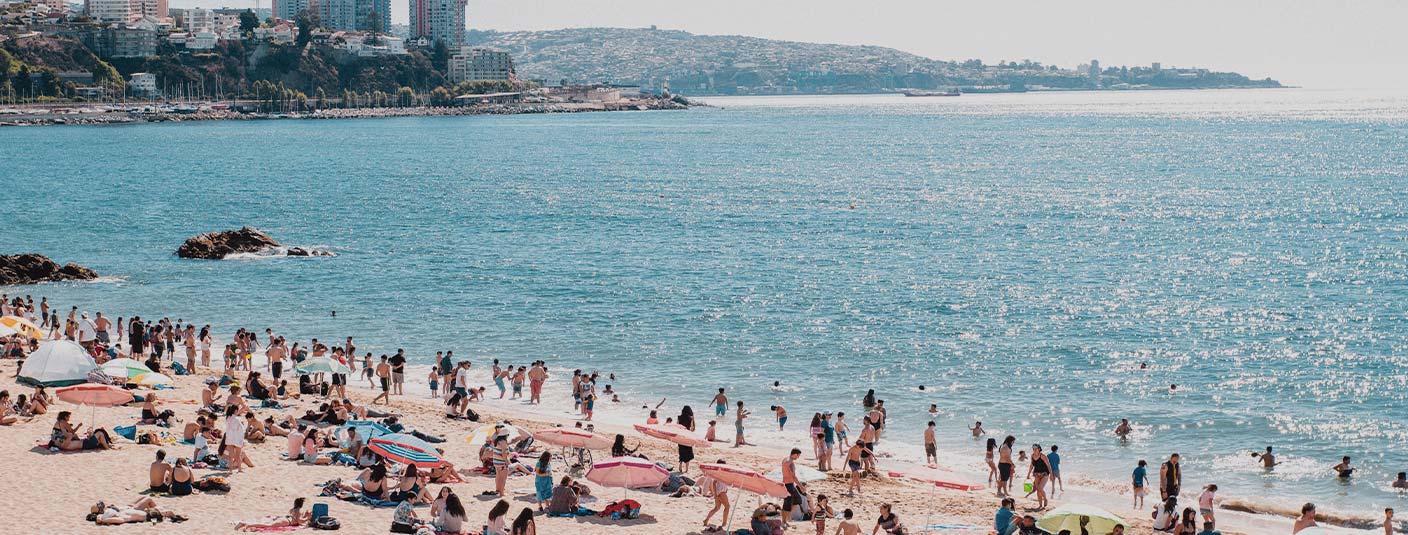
[1004,471]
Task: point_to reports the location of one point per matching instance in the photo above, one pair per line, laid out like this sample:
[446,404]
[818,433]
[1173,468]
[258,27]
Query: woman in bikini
[295,517]
[1039,469]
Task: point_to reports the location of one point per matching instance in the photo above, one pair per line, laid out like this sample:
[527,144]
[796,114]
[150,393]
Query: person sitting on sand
[1166,515]
[65,436]
[618,448]
[253,430]
[143,510]
[497,519]
[8,415]
[371,483]
[889,522]
[451,517]
[295,517]
[1306,519]
[523,524]
[158,472]
[39,402]
[208,396]
[564,498]
[411,487]
[180,480]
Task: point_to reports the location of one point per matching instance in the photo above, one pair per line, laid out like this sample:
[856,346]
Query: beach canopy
[744,479]
[1068,517]
[485,432]
[7,331]
[367,429]
[22,326]
[673,433]
[573,438]
[405,449]
[805,474]
[152,379]
[57,363]
[124,368]
[94,395]
[627,472]
[321,365]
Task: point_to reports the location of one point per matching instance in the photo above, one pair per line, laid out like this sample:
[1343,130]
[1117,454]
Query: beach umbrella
[94,395]
[57,363]
[483,435]
[572,438]
[673,433]
[321,365]
[805,474]
[744,479]
[1068,517]
[405,449]
[367,429]
[22,326]
[6,330]
[124,368]
[627,473]
[151,379]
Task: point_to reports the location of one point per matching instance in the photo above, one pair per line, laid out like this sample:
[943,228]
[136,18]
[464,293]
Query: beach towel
[954,526]
[128,432]
[581,511]
[274,530]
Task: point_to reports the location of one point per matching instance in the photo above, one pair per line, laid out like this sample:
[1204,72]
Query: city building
[439,20]
[199,21]
[142,85]
[109,10]
[479,63]
[374,16]
[120,41]
[289,9]
[337,14]
[150,8]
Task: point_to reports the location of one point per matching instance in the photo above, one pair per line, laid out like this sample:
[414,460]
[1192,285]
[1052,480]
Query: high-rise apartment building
[439,20]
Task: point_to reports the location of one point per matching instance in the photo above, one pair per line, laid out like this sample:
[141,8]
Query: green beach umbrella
[1068,517]
[124,369]
[321,365]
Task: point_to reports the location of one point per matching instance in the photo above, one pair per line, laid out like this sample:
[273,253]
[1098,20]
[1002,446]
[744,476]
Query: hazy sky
[1313,43]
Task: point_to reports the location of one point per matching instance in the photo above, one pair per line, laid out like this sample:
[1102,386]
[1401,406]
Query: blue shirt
[1055,462]
[830,431]
[1004,519]
[1141,476]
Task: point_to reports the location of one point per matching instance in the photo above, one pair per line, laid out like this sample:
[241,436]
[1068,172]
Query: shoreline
[914,499]
[123,117]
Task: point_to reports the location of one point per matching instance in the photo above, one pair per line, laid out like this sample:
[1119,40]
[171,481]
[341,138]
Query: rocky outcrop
[304,251]
[32,268]
[218,245]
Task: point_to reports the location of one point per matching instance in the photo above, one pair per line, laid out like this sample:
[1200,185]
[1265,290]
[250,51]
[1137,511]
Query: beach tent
[57,363]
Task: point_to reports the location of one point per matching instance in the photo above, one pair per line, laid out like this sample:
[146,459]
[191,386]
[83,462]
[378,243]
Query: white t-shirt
[234,432]
[202,447]
[86,330]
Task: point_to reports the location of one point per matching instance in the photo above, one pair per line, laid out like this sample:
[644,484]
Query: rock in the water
[305,251]
[218,245]
[32,268]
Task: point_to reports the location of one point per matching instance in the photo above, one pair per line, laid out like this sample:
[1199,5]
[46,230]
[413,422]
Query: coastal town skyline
[1301,43]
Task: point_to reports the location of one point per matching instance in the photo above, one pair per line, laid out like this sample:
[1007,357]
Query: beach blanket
[954,526]
[581,511]
[273,530]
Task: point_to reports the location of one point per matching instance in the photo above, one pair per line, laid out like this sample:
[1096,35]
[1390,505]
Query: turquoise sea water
[1019,255]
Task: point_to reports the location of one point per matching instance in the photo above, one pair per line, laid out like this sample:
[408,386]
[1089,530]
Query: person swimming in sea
[977,429]
[1123,429]
[1344,469]
[1268,459]
[1402,482]
[933,410]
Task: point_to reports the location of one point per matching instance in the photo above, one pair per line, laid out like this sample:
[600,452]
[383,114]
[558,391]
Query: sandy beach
[64,485]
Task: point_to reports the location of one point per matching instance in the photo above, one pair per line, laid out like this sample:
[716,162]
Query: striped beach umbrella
[405,449]
[124,368]
[627,472]
[22,326]
[321,365]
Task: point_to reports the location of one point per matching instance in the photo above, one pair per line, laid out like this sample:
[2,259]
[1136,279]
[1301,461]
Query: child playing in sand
[848,524]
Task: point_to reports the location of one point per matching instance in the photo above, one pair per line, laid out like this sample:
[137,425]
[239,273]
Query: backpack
[325,523]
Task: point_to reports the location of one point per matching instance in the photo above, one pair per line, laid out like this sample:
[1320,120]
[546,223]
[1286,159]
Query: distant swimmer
[334,313]
[1268,460]
[1402,481]
[977,429]
[1143,365]
[921,388]
[1123,429]
[1344,469]
[1172,388]
[933,410]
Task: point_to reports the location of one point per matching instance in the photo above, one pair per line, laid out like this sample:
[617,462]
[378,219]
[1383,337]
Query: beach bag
[325,523]
[178,369]
[213,484]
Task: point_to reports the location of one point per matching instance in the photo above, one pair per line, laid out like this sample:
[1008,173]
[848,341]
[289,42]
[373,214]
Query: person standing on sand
[383,374]
[398,370]
[1205,504]
[1004,465]
[1040,467]
[1388,521]
[537,375]
[205,342]
[102,325]
[789,481]
[867,439]
[1141,481]
[1305,520]
[720,403]
[828,439]
[738,417]
[931,447]
[1170,478]
[275,354]
[1055,460]
[781,414]
[188,337]
[497,374]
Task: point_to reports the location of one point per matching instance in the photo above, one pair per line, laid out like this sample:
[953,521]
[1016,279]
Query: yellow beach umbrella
[151,379]
[22,326]
[1069,517]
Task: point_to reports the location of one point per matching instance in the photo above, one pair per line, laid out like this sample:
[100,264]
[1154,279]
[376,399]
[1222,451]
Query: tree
[248,22]
[440,56]
[405,97]
[441,97]
[306,22]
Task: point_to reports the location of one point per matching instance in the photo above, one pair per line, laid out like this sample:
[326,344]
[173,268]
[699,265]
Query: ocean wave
[283,252]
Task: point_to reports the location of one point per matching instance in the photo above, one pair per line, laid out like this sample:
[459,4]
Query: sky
[1310,43]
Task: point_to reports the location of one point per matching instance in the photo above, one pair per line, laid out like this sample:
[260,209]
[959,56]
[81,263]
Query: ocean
[1045,263]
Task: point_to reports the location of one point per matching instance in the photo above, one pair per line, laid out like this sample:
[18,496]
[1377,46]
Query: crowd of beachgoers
[216,411]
